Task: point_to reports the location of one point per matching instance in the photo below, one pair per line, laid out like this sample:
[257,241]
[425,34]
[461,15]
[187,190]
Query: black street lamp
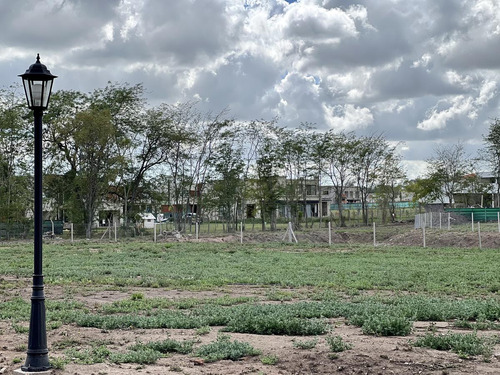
[37,82]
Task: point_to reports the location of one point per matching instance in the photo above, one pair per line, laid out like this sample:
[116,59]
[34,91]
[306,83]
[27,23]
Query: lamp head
[37,82]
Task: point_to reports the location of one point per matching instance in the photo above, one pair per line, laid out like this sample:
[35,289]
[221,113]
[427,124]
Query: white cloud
[347,117]
[438,119]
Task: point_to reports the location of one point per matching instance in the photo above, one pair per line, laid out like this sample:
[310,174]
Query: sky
[422,73]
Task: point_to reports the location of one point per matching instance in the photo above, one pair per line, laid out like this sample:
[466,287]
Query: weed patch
[337,344]
[224,348]
[306,345]
[165,346]
[464,344]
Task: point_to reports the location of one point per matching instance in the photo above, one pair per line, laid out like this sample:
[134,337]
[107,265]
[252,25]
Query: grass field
[286,290]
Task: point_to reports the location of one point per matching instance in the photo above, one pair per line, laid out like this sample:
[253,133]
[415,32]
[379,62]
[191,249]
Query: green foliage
[58,363]
[306,344]
[20,329]
[205,330]
[280,295]
[337,344]
[89,356]
[464,344]
[224,348]
[386,325]
[139,353]
[480,325]
[142,356]
[15,182]
[276,324]
[192,265]
[137,296]
[269,359]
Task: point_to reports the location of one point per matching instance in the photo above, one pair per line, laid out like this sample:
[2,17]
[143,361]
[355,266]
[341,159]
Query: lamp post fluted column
[38,353]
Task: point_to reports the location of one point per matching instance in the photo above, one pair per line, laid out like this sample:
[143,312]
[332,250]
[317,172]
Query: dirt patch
[369,355]
[398,235]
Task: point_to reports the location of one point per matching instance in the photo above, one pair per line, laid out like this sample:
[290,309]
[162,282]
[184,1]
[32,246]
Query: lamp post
[37,82]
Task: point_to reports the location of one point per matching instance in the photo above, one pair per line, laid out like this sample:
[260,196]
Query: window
[311,190]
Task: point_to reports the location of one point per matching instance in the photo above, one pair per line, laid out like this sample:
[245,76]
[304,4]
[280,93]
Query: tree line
[109,145]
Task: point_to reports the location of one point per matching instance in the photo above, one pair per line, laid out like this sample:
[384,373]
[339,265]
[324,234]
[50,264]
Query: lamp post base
[21,371]
[38,355]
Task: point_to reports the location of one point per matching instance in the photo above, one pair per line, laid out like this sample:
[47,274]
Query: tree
[318,154]
[268,189]
[144,151]
[95,159]
[339,159]
[492,154]
[390,185]
[447,167]
[189,141]
[424,190]
[369,155]
[294,153]
[15,166]
[225,182]
[137,139]
[250,138]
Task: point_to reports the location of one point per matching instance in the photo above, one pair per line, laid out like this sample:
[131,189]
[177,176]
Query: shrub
[142,356]
[165,346]
[223,348]
[270,359]
[337,345]
[308,344]
[464,344]
[384,325]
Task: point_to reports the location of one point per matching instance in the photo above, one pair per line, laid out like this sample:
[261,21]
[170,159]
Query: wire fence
[324,230]
[458,221]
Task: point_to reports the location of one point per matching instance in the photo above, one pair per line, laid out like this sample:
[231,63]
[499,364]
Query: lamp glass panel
[37,93]
[27,91]
[47,88]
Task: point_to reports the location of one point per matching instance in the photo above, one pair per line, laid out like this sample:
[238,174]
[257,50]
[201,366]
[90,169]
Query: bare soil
[369,355]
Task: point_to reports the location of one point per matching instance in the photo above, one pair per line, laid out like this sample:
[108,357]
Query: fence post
[449,219]
[440,220]
[472,221]
[430,225]
[154,225]
[241,232]
[329,233]
[498,221]
[197,229]
[71,232]
[374,235]
[115,231]
[423,233]
[479,234]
